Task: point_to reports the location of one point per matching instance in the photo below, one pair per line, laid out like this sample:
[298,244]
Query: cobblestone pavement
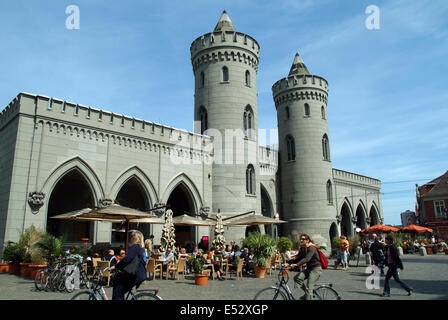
[428,275]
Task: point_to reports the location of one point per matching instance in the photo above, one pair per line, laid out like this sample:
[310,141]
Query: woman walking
[124,281]
[393,263]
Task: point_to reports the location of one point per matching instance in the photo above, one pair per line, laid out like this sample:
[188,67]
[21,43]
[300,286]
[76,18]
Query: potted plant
[13,254]
[37,262]
[49,245]
[262,248]
[26,242]
[196,265]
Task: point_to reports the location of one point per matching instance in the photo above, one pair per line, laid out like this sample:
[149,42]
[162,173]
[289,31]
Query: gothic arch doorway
[346,223]
[333,233]
[267,210]
[131,195]
[181,201]
[71,192]
[360,217]
[374,217]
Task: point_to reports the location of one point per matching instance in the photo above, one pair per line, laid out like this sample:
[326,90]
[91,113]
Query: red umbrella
[380,228]
[416,228]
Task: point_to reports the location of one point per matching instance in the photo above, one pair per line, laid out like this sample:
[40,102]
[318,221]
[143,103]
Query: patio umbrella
[168,240]
[415,228]
[186,220]
[219,241]
[111,213]
[253,220]
[379,228]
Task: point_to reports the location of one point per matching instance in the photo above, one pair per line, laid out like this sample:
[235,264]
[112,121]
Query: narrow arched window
[329,192]
[203,117]
[307,110]
[322,110]
[290,148]
[202,80]
[287,113]
[250,180]
[248,123]
[247,78]
[225,74]
[325,147]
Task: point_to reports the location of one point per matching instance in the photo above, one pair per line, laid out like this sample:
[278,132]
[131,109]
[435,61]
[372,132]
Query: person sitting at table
[122,254]
[183,253]
[167,256]
[195,251]
[111,258]
[248,266]
[210,255]
[217,264]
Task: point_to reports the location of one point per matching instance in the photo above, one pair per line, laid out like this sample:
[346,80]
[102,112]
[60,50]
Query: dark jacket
[134,250]
[377,250]
[308,256]
[394,255]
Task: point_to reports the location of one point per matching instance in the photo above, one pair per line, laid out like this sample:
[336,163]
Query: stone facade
[60,156]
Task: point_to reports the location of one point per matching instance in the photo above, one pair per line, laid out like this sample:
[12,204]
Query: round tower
[225,64]
[306,179]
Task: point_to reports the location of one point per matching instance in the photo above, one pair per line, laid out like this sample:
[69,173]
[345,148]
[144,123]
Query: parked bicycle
[281,290]
[97,291]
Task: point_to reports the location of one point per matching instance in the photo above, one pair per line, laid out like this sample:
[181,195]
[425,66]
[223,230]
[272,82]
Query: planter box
[428,251]
[4,267]
[14,268]
[34,268]
[24,271]
[446,251]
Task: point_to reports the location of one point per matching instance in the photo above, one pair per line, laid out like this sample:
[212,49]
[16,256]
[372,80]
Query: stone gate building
[57,156]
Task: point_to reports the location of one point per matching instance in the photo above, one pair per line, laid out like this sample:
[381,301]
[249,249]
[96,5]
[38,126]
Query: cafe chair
[177,268]
[153,267]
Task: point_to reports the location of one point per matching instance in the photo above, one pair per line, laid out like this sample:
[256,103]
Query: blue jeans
[393,272]
[342,258]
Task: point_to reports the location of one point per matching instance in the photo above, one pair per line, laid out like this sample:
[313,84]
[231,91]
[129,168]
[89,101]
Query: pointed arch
[189,185]
[75,163]
[144,181]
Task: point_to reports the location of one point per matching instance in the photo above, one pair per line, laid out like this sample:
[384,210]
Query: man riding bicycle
[309,256]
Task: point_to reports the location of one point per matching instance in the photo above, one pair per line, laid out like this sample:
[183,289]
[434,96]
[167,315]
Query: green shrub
[284,244]
[261,246]
[13,252]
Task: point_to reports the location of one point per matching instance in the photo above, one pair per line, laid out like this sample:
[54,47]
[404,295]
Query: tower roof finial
[298,66]
[224,23]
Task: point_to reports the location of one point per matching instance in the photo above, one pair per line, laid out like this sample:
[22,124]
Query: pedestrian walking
[393,263]
[343,253]
[377,251]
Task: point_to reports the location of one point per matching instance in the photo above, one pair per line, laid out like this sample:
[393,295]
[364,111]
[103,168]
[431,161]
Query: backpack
[323,258]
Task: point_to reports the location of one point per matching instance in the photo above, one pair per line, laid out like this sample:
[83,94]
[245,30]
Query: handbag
[132,267]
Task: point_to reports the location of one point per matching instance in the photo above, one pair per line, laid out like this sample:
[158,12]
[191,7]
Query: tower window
[329,192]
[202,80]
[250,180]
[248,117]
[322,110]
[225,74]
[290,148]
[204,119]
[325,148]
[307,110]
[247,78]
[287,113]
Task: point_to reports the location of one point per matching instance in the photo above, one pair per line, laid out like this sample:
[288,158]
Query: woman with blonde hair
[125,281]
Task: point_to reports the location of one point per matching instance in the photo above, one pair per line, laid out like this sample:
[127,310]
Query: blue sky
[387,105]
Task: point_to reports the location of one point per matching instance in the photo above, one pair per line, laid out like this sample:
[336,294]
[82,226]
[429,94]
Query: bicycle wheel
[270,294]
[85,295]
[69,283]
[326,293]
[147,296]
[38,280]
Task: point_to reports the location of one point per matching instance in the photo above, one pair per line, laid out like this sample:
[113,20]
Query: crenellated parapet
[60,117]
[300,87]
[225,46]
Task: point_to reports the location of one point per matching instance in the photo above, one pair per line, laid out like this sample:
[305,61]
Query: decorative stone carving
[105,202]
[36,201]
[159,212]
[204,211]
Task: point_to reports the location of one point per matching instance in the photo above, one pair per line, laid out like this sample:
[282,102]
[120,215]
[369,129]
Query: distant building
[432,201]
[407,218]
